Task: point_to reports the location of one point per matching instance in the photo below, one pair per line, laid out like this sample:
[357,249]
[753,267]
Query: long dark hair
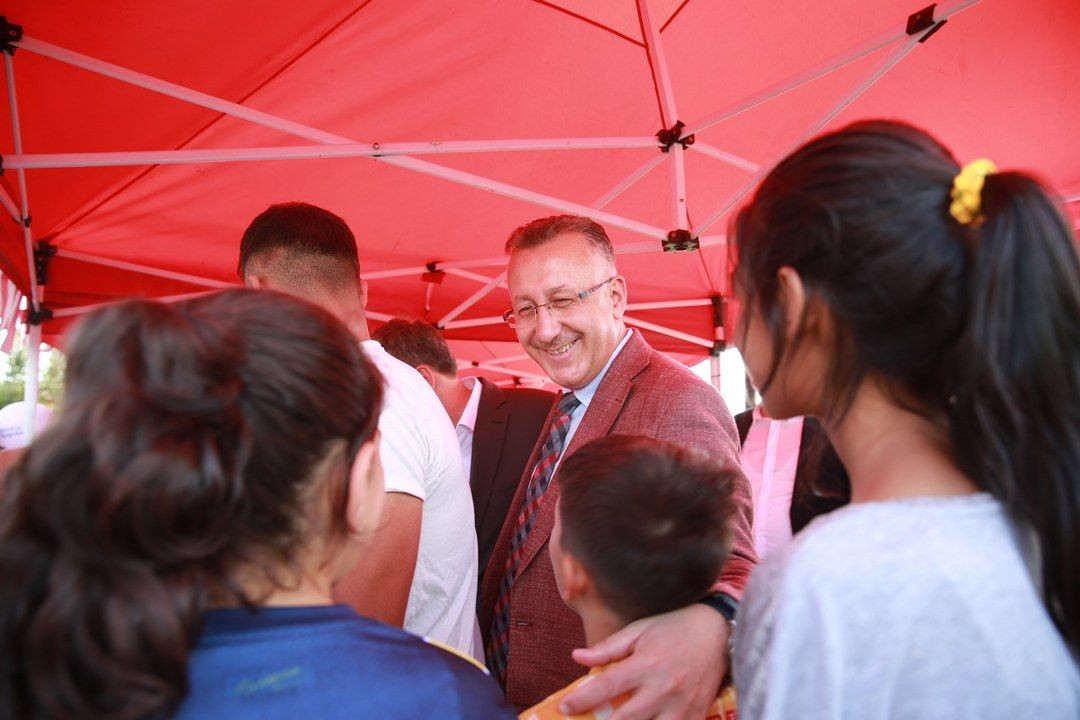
[976,325]
[185,450]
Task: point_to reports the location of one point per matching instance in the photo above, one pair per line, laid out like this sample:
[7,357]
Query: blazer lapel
[604,409]
[491,423]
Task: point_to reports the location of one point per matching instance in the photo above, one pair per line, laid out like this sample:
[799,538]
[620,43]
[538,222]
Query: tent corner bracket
[670,136]
[680,241]
[10,33]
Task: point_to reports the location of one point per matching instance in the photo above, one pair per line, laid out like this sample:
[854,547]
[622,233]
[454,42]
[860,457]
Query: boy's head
[641,526]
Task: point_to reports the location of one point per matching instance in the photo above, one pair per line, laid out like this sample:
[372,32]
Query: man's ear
[363,293]
[618,295]
[254,282]
[792,298]
[428,373]
[576,581]
[366,490]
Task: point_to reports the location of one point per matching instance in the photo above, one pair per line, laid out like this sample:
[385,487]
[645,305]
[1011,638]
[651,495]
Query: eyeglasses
[526,314]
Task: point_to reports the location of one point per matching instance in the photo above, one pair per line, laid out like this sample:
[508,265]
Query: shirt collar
[585,394]
[468,415]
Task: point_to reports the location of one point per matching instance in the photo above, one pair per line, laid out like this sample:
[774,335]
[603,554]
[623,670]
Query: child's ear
[576,581]
[366,491]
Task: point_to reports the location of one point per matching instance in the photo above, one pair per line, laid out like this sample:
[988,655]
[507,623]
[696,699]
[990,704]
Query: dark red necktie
[499,643]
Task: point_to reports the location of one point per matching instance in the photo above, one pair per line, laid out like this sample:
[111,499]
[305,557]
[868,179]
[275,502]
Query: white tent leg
[30,387]
[894,57]
[714,371]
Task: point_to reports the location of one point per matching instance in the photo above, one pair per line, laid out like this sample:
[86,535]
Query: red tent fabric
[998,79]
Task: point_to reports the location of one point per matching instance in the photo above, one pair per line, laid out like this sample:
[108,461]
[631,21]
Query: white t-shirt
[913,609]
[420,456]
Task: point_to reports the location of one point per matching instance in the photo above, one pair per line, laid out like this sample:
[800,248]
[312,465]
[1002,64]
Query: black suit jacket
[508,423]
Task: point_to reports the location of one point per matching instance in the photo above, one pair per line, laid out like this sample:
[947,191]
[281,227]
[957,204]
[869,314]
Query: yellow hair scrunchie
[966,193]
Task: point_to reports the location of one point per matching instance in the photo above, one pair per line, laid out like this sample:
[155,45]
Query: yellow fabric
[454,651]
[723,708]
[966,193]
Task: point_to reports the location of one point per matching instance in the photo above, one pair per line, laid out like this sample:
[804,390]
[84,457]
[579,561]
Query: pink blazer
[643,393]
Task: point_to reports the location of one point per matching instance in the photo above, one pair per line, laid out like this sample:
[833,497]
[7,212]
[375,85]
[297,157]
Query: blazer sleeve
[697,417]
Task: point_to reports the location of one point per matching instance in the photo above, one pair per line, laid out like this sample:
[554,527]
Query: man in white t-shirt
[420,570]
[496,427]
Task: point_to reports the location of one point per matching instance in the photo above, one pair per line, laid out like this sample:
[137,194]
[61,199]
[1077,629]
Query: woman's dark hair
[648,520]
[977,325]
[186,449]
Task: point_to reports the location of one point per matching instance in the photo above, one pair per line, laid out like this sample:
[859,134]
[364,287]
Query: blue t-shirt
[328,662]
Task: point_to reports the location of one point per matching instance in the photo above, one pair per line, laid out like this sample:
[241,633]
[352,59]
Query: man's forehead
[563,263]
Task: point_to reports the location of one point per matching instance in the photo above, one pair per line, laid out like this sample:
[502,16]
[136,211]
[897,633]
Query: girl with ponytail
[929,315]
[168,545]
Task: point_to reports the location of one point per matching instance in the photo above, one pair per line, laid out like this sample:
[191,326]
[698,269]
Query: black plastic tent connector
[718,322]
[9,33]
[922,20]
[433,275]
[36,316]
[671,135]
[680,241]
[42,254]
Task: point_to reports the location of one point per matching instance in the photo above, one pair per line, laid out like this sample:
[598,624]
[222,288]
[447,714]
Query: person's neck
[308,588]
[455,395]
[890,452]
[600,623]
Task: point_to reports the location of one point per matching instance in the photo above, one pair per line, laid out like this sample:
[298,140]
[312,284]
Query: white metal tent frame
[671,144]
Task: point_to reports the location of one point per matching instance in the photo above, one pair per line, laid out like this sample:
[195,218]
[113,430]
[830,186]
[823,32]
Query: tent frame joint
[10,33]
[42,254]
[37,315]
[434,275]
[719,305]
[680,241]
[920,20]
[669,136]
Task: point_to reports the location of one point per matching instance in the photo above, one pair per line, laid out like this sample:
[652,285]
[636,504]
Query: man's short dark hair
[417,343]
[300,243]
[648,520]
[544,230]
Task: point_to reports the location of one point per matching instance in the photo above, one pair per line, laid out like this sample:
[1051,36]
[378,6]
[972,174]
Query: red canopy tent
[147,135]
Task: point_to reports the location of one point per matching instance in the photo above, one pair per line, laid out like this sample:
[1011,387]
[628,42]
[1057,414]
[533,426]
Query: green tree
[51,385]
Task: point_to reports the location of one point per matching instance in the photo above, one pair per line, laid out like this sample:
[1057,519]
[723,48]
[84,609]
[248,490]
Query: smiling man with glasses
[567,305]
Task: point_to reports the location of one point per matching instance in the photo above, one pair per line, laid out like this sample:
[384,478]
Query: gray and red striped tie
[499,643]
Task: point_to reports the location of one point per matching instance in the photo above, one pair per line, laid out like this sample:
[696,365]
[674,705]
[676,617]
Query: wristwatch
[726,606]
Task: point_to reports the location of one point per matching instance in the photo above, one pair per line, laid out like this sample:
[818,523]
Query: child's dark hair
[186,449]
[975,325]
[648,520]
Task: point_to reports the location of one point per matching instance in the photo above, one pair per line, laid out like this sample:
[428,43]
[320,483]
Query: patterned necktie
[499,644]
